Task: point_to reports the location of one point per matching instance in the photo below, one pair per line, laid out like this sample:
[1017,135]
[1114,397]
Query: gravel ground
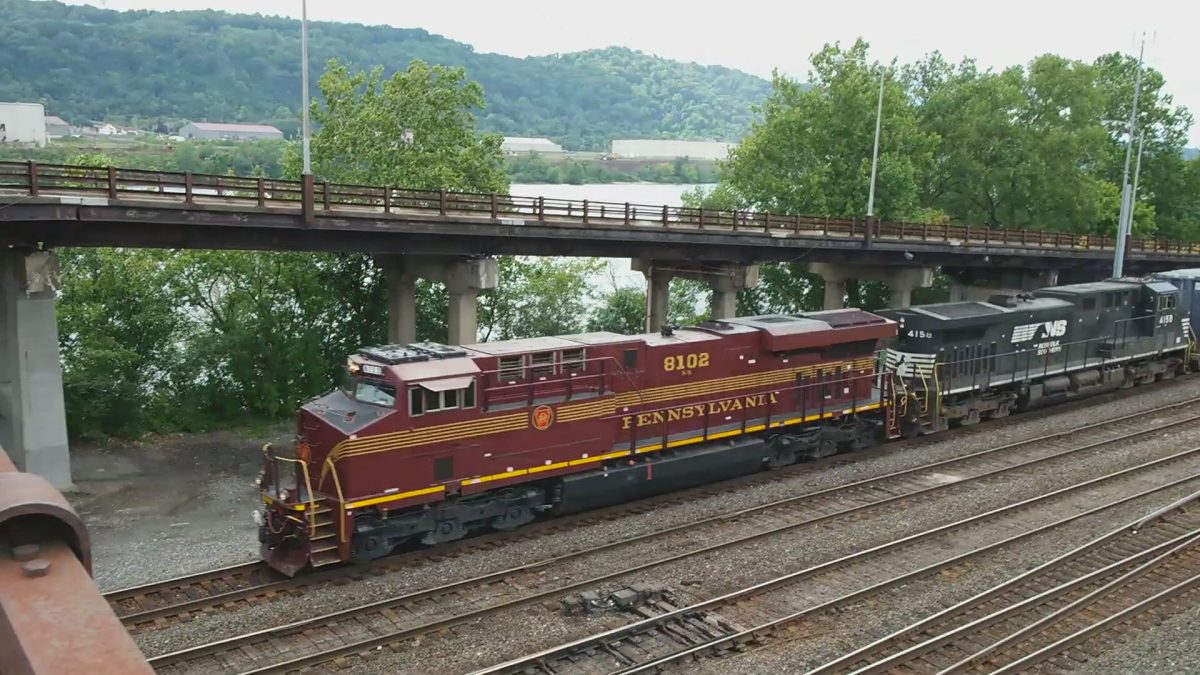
[1170,647]
[829,636]
[506,635]
[168,506]
[225,623]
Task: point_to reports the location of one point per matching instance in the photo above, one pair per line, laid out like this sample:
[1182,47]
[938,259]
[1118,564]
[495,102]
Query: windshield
[370,392]
[375,393]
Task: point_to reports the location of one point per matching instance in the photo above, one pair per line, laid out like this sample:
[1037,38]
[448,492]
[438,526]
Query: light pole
[870,224]
[307,129]
[1125,218]
[875,152]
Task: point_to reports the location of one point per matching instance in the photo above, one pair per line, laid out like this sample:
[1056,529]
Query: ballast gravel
[153,562]
[500,637]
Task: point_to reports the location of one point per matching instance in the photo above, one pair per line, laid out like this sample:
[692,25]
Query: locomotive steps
[397,619]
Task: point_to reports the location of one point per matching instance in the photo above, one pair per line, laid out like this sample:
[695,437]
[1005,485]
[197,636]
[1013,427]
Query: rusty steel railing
[197,190]
[52,617]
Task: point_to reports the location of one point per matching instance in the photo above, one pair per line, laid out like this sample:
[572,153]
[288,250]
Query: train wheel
[515,516]
[444,531]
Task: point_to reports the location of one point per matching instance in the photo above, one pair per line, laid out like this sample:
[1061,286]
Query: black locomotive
[961,362]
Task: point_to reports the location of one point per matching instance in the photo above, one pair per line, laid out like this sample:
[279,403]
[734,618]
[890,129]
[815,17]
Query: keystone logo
[1028,331]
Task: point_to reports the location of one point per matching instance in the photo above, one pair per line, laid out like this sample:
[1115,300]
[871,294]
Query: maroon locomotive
[427,443]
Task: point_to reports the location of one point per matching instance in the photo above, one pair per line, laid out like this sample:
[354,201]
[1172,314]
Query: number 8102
[685,362]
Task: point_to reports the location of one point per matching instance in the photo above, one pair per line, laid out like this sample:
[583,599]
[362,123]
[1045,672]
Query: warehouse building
[57,127]
[514,145]
[656,149]
[23,123]
[222,131]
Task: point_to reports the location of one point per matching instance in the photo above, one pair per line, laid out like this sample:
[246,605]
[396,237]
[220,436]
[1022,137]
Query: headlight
[284,494]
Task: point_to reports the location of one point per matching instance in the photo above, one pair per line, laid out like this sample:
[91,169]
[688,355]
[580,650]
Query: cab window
[375,393]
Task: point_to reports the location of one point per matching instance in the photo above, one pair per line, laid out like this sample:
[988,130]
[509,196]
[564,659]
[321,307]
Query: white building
[517,144]
[23,123]
[654,149]
[228,131]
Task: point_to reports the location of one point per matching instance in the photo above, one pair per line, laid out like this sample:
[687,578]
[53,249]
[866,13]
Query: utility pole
[1125,219]
[307,129]
[875,161]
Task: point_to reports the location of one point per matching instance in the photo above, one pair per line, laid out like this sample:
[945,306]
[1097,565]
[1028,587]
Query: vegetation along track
[158,604]
[320,638]
[741,618]
[1041,614]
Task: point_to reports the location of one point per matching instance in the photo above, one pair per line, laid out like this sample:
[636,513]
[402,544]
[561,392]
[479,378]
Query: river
[618,272]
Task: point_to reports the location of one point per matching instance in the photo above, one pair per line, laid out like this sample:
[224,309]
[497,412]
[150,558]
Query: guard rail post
[53,619]
[308,207]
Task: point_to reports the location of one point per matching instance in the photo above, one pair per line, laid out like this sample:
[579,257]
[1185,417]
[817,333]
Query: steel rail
[229,643]
[131,617]
[617,633]
[1126,579]
[366,645]
[920,629]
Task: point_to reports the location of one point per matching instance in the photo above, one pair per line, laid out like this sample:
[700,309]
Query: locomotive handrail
[337,484]
[34,179]
[312,502]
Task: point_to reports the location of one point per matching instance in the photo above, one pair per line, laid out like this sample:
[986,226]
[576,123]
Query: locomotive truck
[425,443]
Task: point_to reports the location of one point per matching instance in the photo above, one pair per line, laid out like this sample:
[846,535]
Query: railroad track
[348,631]
[1041,614]
[747,617]
[158,604]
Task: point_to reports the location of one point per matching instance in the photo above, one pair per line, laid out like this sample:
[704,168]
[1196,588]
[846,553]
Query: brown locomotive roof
[600,338]
[678,336]
[424,370]
[523,346]
[787,332]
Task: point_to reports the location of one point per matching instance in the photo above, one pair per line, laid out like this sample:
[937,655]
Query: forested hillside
[164,67]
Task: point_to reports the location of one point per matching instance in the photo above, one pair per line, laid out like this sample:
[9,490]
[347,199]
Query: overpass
[454,236]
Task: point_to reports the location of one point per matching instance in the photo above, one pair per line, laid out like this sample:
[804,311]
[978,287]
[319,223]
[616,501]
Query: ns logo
[1053,329]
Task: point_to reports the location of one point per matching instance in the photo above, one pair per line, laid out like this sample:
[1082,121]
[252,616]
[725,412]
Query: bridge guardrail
[53,619]
[187,188]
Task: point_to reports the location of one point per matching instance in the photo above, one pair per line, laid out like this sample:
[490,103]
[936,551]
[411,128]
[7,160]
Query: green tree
[414,129]
[537,296]
[811,153]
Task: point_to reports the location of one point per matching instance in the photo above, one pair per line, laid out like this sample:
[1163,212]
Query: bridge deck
[68,205]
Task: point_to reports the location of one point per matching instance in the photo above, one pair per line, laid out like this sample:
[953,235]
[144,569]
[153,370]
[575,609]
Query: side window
[630,360]
[416,401]
[1108,300]
[1089,303]
[572,360]
[427,400]
[542,364]
[511,368]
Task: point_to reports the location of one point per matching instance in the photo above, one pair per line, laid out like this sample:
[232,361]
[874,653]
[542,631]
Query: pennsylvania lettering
[698,410]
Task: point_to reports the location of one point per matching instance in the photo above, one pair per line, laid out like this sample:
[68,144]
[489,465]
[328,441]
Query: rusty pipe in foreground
[53,619]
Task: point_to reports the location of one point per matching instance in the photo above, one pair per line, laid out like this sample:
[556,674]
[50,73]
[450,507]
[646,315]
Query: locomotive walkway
[46,205]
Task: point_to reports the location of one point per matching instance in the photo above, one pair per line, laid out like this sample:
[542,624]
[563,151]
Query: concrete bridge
[453,237]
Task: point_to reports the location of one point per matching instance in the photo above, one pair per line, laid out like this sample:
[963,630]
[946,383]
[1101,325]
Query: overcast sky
[756,36]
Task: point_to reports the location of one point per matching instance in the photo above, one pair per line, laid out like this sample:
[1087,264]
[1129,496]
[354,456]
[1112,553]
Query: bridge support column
[725,280]
[901,281]
[658,297]
[401,301]
[33,421]
[464,278]
[978,285]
